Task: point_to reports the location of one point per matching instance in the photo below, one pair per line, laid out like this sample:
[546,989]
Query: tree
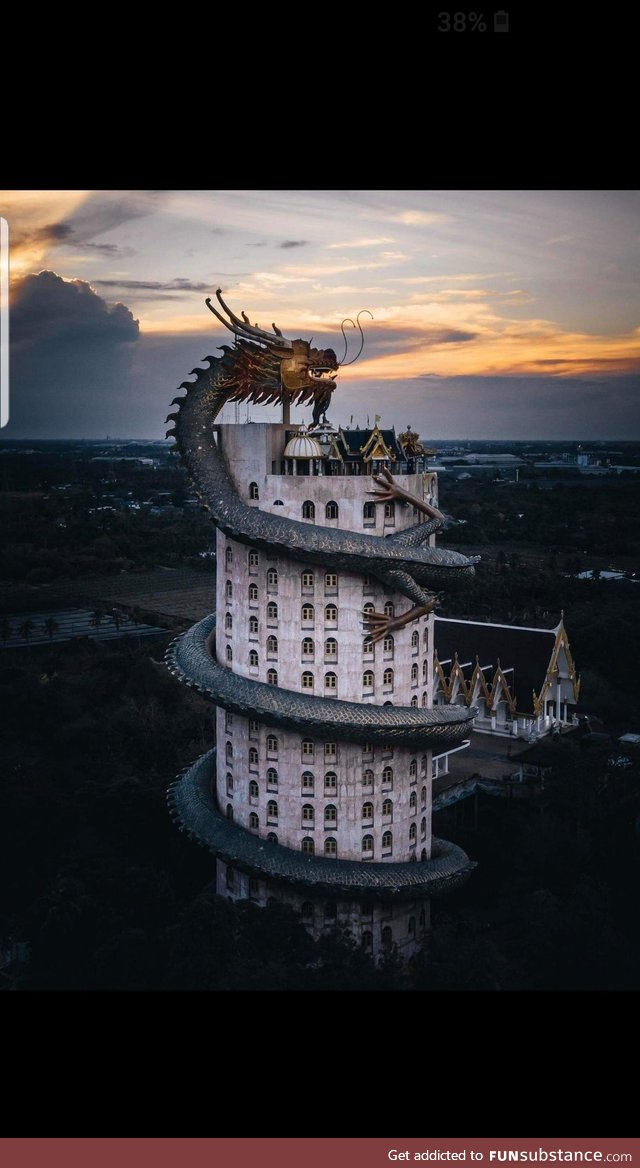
[26,628]
[51,626]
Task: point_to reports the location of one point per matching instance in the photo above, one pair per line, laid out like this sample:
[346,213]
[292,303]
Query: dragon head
[265,366]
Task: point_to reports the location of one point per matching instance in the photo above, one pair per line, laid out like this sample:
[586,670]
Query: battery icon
[501,21]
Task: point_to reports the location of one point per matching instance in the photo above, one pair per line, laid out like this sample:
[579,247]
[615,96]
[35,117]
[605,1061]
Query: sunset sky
[497,314]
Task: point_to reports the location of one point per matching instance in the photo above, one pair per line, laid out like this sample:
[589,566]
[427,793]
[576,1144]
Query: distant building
[522,680]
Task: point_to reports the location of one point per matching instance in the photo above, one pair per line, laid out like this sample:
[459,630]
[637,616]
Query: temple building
[319,657]
[523,681]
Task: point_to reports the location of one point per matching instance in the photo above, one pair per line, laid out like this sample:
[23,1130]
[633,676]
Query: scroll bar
[4,322]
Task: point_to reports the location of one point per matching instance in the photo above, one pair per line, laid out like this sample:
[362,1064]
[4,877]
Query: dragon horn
[247,329]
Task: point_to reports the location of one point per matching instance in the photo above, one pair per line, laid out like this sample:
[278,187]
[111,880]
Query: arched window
[308,647]
[369,515]
[272,611]
[331,682]
[330,582]
[330,814]
[228,750]
[253,757]
[367,679]
[330,846]
[229,811]
[272,580]
[423,828]
[272,838]
[228,622]
[331,510]
[272,677]
[254,560]
[229,653]
[390,513]
[414,674]
[228,557]
[423,764]
[278,503]
[253,625]
[308,848]
[367,844]
[424,699]
[387,678]
[367,812]
[412,926]
[272,744]
[413,831]
[308,614]
[367,778]
[413,801]
[306,912]
[307,813]
[369,607]
[413,768]
[389,608]
[254,789]
[307,783]
[388,645]
[272,778]
[330,783]
[423,797]
[272,646]
[253,491]
[253,659]
[229,783]
[307,580]
[308,509]
[272,811]
[415,641]
[253,592]
[308,748]
[228,590]
[331,649]
[423,854]
[425,637]
[254,822]
[387,807]
[414,701]
[330,751]
[331,614]
[307,680]
[387,841]
[425,671]
[387,777]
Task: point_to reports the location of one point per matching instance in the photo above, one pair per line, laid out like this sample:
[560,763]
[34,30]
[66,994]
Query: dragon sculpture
[266,367]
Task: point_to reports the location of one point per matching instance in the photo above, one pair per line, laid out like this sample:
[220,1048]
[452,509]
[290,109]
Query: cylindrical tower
[318,792]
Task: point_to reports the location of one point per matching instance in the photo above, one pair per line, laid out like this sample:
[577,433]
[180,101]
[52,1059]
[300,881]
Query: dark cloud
[165,286]
[100,213]
[294,243]
[70,357]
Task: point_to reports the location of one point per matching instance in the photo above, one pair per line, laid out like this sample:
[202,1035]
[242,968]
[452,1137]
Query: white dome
[302,446]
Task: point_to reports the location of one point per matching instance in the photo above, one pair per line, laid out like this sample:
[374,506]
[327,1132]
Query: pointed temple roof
[525,659]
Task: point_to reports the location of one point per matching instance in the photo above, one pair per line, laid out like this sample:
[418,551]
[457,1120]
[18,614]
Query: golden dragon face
[265,366]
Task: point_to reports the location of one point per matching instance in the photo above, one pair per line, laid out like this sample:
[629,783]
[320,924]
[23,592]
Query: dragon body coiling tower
[318,792]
